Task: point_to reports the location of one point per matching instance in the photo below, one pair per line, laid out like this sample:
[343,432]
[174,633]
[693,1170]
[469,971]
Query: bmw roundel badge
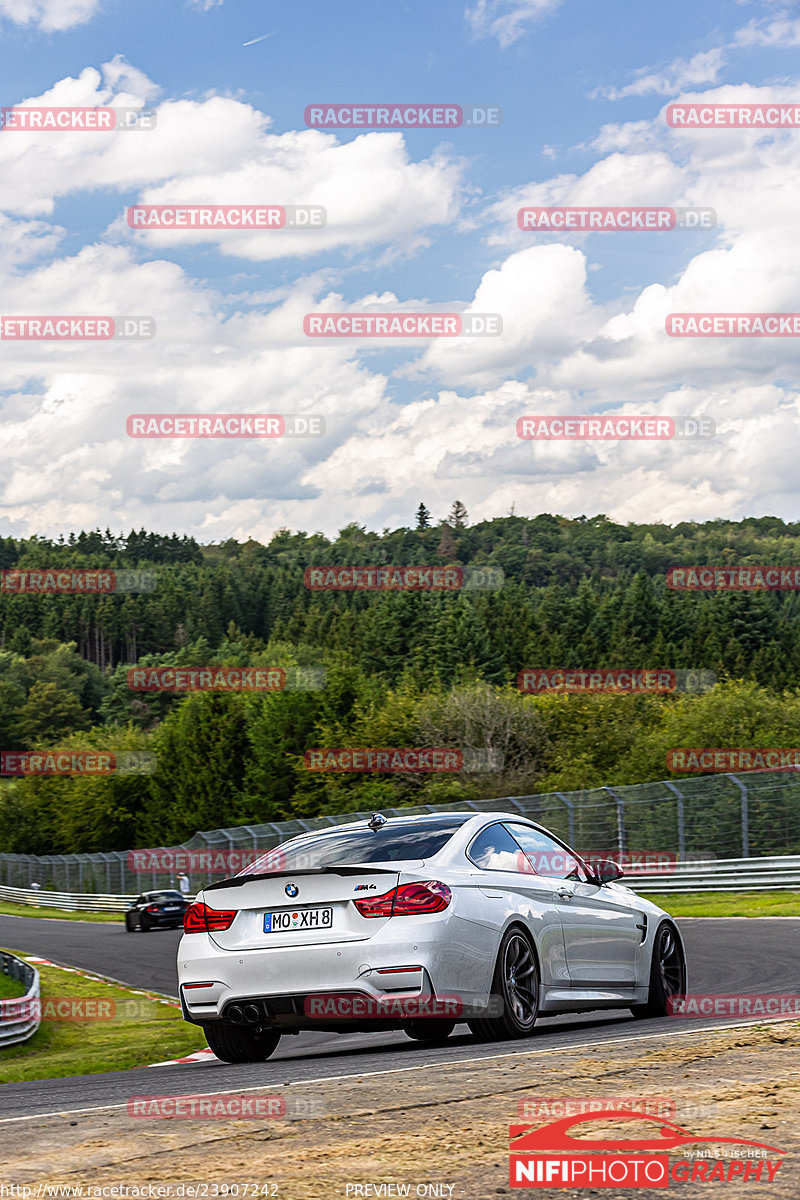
[291,889]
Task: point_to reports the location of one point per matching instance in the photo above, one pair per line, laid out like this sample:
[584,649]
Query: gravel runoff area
[444,1125]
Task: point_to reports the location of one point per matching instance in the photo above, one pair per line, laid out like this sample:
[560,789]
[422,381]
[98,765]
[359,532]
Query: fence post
[681,825]
[570,816]
[70,861]
[620,819]
[121,856]
[745,817]
[253,835]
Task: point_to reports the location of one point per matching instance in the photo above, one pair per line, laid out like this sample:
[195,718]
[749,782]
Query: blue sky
[426,217]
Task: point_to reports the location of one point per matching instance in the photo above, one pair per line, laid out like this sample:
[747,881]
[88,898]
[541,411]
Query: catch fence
[696,820]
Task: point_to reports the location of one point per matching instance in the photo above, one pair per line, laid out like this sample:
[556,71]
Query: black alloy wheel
[514,1000]
[667,973]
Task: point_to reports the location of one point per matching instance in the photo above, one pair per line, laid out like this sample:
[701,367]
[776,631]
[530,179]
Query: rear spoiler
[238,880]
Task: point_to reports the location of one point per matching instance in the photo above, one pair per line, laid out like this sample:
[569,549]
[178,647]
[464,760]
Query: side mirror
[606,870]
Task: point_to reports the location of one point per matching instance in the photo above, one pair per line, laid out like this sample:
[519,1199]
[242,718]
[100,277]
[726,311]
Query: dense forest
[403,668]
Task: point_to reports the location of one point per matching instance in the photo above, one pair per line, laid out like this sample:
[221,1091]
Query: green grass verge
[153,1033]
[10,988]
[62,914]
[729,904]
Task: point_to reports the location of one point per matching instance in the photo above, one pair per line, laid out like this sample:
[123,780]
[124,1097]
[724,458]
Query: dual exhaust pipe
[244,1014]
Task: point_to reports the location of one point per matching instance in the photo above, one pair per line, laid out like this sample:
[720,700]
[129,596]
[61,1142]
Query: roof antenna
[376,822]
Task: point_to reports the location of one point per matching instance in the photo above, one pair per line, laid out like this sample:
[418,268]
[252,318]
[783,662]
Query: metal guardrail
[774,874]
[19,1017]
[69,901]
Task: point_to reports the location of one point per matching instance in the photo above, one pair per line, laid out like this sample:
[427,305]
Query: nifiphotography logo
[553,1156]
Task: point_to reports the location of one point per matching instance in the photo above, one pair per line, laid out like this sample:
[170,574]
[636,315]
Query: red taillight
[199,918]
[428,897]
[153,908]
[376,906]
[407,900]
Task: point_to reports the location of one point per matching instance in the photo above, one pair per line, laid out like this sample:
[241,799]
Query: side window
[494,849]
[547,856]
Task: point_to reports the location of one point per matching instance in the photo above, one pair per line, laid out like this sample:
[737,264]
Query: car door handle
[564,893]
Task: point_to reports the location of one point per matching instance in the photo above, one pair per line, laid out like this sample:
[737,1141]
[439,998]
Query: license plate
[171,907]
[285,920]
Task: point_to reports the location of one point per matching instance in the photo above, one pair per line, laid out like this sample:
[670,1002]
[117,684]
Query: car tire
[129,925]
[667,973]
[234,1044]
[515,991]
[144,924]
[428,1029]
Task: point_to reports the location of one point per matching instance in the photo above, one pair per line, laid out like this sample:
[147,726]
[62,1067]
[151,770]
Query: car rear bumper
[308,986]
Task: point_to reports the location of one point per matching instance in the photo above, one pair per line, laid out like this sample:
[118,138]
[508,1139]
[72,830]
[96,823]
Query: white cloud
[24,241]
[371,190]
[70,463]
[221,151]
[647,178]
[706,66]
[778,31]
[69,459]
[51,16]
[507,20]
[540,294]
[702,68]
[65,408]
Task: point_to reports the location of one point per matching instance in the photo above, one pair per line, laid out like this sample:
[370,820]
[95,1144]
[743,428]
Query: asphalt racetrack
[724,955]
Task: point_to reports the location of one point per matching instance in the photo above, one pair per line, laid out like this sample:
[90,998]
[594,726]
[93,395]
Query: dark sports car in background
[156,910]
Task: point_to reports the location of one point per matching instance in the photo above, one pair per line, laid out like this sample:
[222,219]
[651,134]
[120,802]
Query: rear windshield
[157,897]
[352,847]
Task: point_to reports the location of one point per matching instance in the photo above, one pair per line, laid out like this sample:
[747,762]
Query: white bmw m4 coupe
[419,923]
